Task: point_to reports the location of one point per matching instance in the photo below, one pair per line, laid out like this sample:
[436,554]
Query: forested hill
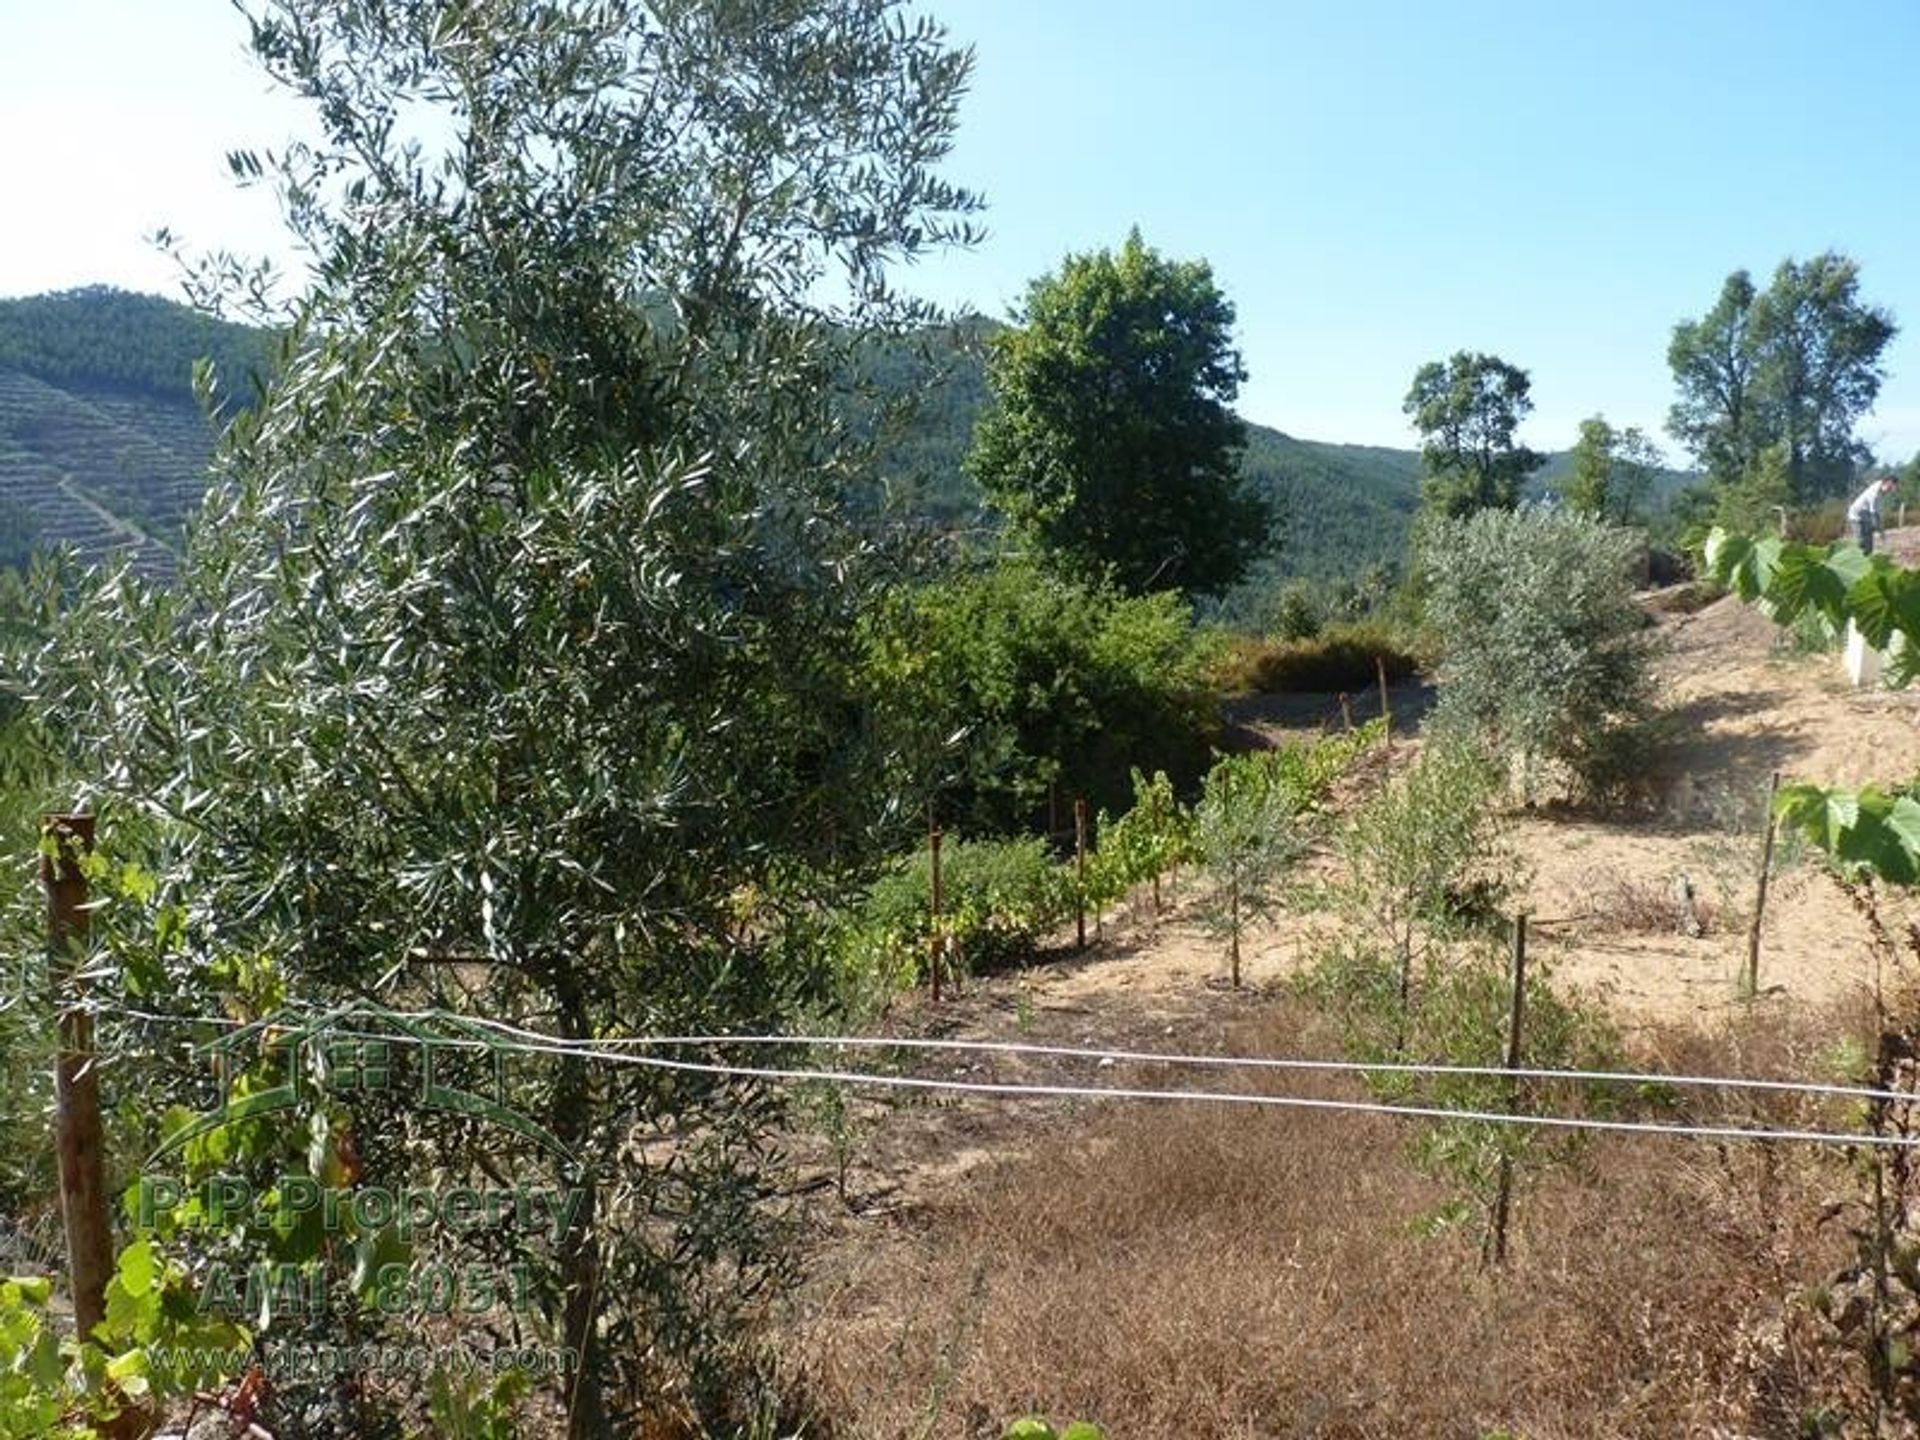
[102,444]
[1344,507]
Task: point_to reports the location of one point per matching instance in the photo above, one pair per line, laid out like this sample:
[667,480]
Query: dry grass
[1343,657]
[1622,904]
[1205,1271]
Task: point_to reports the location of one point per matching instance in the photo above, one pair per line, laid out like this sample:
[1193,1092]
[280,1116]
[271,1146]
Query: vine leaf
[1805,579]
[1884,602]
[1866,830]
[1821,815]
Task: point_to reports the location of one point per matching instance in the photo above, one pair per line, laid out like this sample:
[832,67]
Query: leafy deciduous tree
[1110,441]
[1718,415]
[1466,411]
[1613,471]
[1795,365]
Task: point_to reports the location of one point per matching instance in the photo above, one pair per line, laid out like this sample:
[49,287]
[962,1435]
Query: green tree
[1110,442]
[1545,655]
[1758,499]
[1821,348]
[1719,414]
[1466,411]
[1413,851]
[1015,683]
[1794,365]
[515,642]
[1613,472]
[1248,834]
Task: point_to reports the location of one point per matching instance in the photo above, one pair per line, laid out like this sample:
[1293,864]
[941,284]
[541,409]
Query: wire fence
[620,1051]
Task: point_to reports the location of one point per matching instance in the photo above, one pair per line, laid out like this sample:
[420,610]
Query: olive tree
[1545,657]
[510,651]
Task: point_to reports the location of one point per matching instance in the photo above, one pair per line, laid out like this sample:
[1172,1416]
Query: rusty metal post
[1080,872]
[78,1140]
[938,940]
[1233,925]
[1760,900]
[1503,1198]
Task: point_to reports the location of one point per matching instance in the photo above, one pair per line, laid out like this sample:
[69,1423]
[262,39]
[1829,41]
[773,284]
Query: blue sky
[1376,184]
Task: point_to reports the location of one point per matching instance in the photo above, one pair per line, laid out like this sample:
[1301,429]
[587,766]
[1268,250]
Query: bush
[997,898]
[1425,861]
[1545,656]
[1340,657]
[1462,1020]
[1155,834]
[1005,683]
[1248,835]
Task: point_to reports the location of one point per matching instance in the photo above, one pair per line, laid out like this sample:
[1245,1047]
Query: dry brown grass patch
[1210,1271]
[1622,904]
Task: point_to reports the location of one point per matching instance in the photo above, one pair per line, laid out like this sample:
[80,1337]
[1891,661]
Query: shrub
[1248,835]
[1340,657]
[1155,834]
[1294,612]
[1005,683]
[997,898]
[1424,860]
[1462,1019]
[1545,656]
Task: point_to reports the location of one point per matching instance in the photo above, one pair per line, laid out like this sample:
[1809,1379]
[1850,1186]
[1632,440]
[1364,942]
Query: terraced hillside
[103,473]
[103,446]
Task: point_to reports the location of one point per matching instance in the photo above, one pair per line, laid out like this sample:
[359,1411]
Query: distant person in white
[1864,513]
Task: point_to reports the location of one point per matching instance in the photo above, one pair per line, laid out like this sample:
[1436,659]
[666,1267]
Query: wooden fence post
[938,941]
[1159,820]
[1503,1197]
[78,1141]
[1760,899]
[1080,872]
[1233,924]
[1386,714]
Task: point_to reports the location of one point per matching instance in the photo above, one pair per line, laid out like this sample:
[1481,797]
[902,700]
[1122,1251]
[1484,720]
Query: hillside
[1248,1265]
[102,443]
[1344,508]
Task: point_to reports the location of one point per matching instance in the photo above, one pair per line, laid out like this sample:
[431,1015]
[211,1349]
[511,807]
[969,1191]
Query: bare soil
[904,1327]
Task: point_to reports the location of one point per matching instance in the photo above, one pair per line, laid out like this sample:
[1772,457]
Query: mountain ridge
[103,445]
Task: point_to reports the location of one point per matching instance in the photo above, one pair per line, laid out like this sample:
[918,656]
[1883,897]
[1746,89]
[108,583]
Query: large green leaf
[1744,566]
[1885,601]
[1867,831]
[1806,578]
[1819,814]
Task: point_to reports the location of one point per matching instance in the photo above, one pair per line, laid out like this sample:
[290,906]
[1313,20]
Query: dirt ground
[1738,706]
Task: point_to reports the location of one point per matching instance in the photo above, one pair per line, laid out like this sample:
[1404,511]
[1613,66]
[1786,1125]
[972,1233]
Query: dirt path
[1739,709]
